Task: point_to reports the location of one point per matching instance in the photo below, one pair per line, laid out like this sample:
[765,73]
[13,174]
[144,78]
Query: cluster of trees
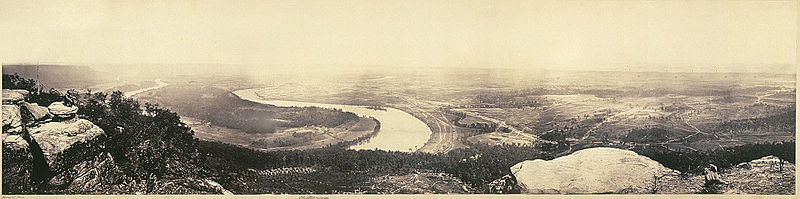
[479,126]
[651,135]
[305,116]
[146,141]
[17,82]
[559,137]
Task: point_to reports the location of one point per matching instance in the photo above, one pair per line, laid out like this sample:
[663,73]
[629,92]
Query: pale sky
[573,35]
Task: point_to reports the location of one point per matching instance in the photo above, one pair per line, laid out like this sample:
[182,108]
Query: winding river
[399,131]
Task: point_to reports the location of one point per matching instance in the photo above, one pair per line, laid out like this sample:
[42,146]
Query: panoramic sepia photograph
[320,99]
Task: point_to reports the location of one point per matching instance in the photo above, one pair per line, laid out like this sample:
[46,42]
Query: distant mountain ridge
[59,76]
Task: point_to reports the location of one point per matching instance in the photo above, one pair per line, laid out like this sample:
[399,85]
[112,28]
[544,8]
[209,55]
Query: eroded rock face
[56,137]
[594,170]
[12,120]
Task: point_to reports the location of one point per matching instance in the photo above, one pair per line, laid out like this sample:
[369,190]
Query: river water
[399,131]
[159,84]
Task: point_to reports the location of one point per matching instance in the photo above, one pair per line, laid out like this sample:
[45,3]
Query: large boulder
[12,121]
[58,109]
[594,170]
[39,113]
[56,137]
[13,96]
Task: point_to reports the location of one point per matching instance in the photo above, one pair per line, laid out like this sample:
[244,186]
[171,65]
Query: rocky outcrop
[12,96]
[594,170]
[766,175]
[12,120]
[50,150]
[57,137]
[66,154]
[61,111]
[17,158]
[12,113]
[38,113]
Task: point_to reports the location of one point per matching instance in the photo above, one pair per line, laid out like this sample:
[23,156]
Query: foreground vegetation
[348,170]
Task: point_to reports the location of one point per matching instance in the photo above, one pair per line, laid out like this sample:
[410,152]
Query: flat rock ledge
[593,170]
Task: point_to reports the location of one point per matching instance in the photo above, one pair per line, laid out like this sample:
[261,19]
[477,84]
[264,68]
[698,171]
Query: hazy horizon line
[640,68]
